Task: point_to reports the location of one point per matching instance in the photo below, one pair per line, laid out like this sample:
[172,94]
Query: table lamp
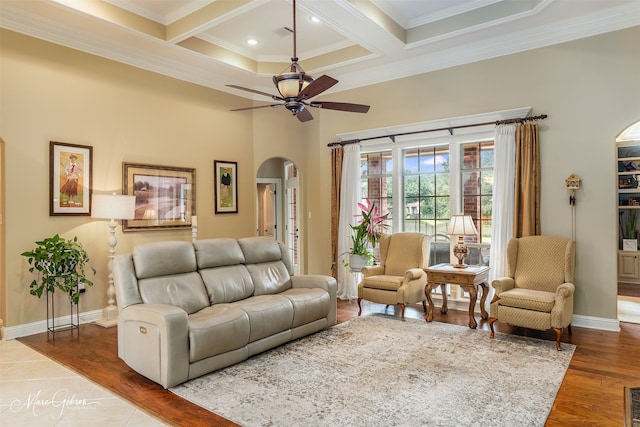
[112,207]
[461,225]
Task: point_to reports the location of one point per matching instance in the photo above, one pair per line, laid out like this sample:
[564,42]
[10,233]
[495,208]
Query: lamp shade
[462,225]
[113,206]
[291,84]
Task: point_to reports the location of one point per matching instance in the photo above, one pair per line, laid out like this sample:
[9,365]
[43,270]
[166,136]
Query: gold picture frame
[70,179]
[165,196]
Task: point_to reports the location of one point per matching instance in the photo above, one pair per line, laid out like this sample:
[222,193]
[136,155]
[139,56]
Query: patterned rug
[379,371]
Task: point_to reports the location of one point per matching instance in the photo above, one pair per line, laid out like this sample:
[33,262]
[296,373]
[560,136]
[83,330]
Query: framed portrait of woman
[70,175]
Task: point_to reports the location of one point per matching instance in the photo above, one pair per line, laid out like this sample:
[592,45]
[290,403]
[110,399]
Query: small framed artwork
[226,186]
[165,196]
[70,175]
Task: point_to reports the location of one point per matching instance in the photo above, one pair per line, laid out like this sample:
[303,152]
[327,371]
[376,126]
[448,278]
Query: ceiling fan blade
[317,86]
[274,97]
[304,115]
[259,106]
[341,106]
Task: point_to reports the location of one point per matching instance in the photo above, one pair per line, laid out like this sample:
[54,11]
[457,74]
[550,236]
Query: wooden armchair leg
[424,305]
[491,321]
[359,307]
[402,306]
[558,335]
[569,328]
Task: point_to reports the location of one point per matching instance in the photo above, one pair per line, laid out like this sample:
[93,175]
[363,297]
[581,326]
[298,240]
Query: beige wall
[54,93]
[589,89]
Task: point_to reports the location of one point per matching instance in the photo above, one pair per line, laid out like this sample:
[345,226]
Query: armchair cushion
[385,282]
[528,299]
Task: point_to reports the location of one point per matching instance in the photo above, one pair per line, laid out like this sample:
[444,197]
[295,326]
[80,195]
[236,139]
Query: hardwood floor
[592,393]
[629,289]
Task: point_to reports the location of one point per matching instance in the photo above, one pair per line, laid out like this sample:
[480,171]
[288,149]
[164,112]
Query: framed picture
[165,196]
[226,186]
[70,175]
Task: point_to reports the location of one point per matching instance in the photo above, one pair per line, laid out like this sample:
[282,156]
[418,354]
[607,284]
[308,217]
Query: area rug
[379,371]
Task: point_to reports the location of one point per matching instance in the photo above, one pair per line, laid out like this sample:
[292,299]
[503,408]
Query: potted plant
[366,232]
[60,264]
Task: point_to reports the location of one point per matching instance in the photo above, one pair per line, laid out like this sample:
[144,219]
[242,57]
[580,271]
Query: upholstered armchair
[538,292]
[400,277]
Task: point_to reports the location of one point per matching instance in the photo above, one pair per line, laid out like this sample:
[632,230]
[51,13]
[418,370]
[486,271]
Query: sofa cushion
[269,277]
[268,315]
[218,252]
[182,290]
[227,284]
[163,258]
[309,304]
[216,330]
[260,249]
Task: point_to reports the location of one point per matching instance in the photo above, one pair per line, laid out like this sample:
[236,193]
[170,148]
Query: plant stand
[73,324]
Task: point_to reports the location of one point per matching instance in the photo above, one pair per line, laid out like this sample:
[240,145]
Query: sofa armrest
[374,270]
[153,339]
[413,274]
[327,283]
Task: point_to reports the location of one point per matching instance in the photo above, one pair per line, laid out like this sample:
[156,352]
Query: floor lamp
[112,207]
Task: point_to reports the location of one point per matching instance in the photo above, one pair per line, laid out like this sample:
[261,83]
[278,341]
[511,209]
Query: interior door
[269,201]
[292,214]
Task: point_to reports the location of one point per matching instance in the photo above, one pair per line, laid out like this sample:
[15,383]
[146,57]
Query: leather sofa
[186,309]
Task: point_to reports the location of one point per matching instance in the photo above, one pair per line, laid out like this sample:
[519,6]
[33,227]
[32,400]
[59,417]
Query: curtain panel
[349,198]
[337,154]
[527,181]
[503,198]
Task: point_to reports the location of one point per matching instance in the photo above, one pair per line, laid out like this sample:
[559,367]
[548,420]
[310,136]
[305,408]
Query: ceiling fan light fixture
[291,84]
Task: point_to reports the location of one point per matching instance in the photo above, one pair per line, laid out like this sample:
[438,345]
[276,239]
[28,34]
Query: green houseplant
[366,233]
[61,265]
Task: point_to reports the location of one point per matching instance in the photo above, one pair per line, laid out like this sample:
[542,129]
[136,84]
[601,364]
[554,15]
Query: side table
[468,279]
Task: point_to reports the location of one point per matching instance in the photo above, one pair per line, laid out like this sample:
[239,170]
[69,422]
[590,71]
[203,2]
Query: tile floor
[36,391]
[629,309]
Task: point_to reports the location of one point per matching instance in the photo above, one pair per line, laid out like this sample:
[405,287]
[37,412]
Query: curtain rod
[520,120]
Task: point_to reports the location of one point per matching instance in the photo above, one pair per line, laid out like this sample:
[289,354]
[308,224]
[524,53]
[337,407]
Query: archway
[628,205]
[278,205]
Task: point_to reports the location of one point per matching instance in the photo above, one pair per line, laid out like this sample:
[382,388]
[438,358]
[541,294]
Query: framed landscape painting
[70,175]
[226,186]
[165,196]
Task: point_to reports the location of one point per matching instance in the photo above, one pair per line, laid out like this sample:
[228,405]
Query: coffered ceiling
[358,42]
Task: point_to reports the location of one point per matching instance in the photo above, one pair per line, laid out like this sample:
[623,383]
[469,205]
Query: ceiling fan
[296,88]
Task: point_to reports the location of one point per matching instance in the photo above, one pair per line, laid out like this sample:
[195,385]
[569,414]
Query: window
[477,197]
[426,189]
[477,187]
[430,189]
[376,181]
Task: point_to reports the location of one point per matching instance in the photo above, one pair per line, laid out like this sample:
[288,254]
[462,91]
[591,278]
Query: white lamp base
[109,317]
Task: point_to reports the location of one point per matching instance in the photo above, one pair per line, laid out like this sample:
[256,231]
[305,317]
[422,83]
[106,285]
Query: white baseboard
[12,332]
[600,323]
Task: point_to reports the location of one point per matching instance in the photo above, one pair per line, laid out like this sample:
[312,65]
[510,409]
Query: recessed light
[315,19]
[252,42]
